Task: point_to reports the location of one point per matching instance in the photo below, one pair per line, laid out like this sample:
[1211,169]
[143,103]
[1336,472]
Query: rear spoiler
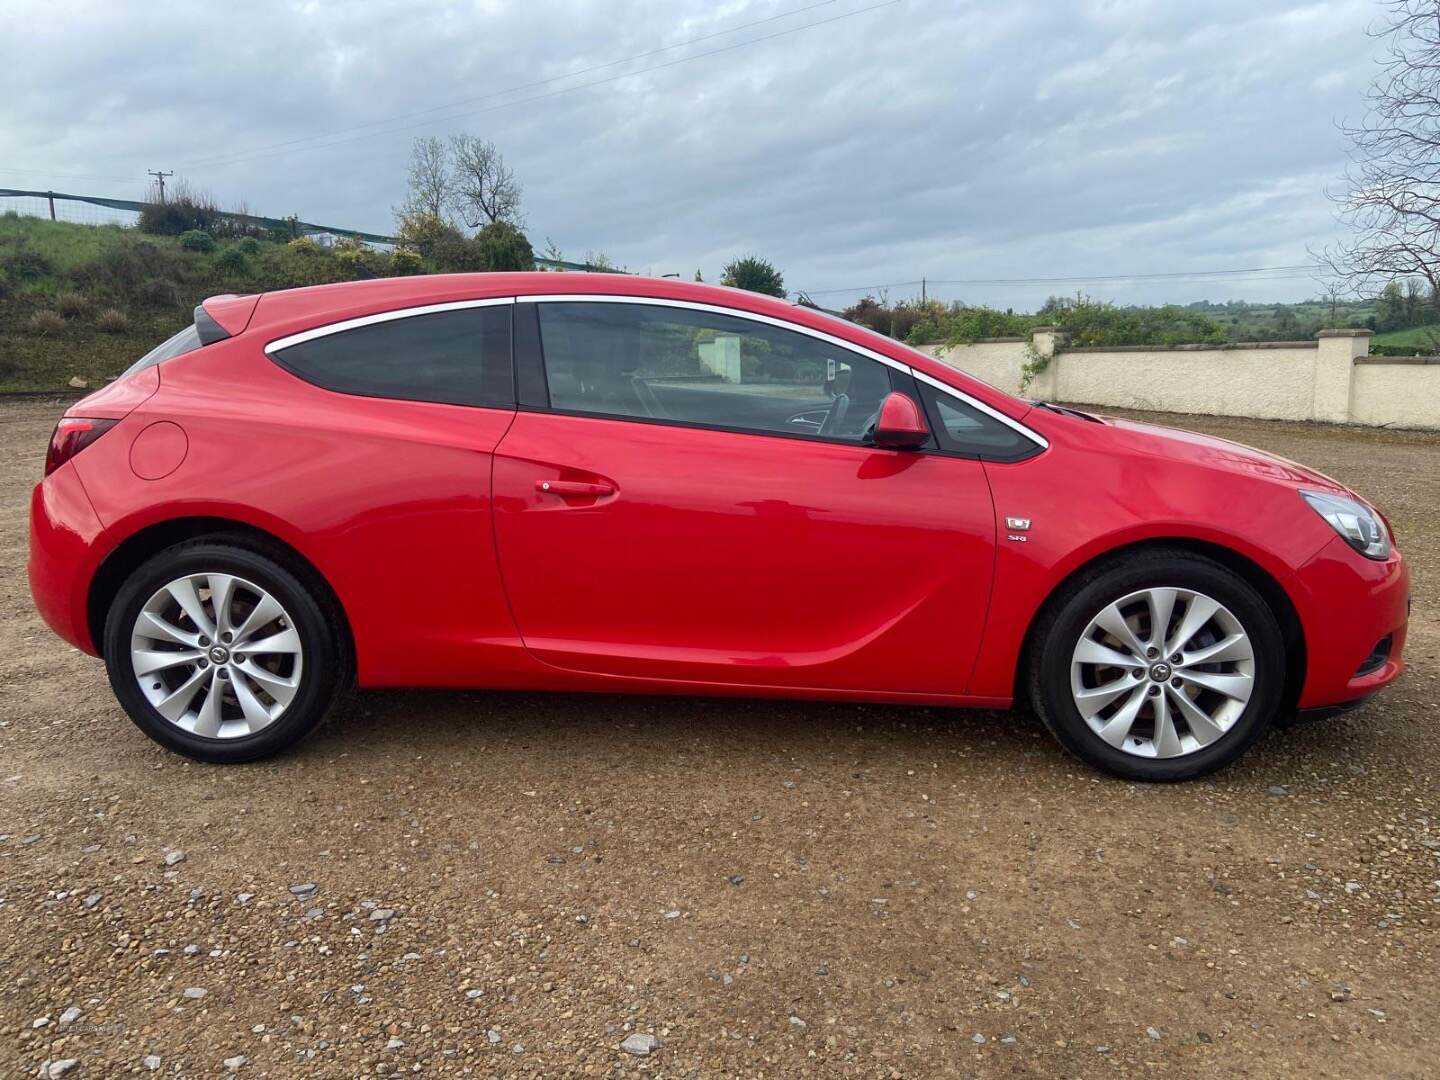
[220,317]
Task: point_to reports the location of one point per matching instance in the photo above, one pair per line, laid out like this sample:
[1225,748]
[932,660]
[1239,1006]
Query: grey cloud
[945,140]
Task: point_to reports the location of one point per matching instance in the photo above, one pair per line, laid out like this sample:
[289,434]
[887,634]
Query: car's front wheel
[221,653]
[1162,666]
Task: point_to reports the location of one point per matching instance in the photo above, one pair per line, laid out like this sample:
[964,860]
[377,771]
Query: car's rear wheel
[221,653]
[1162,666]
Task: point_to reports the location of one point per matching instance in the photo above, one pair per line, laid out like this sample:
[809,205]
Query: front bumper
[1347,604]
[65,548]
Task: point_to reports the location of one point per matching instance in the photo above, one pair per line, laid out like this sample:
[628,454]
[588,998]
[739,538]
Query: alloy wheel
[216,655]
[1162,672]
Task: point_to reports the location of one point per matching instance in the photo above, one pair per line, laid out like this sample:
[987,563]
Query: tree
[1391,197]
[504,247]
[485,190]
[431,188]
[755,274]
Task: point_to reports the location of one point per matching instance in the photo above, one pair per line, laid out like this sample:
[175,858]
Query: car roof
[288,311]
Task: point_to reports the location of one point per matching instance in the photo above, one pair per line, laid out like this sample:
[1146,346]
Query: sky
[854,144]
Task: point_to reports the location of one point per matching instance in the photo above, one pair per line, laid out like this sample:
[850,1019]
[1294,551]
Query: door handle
[571,489]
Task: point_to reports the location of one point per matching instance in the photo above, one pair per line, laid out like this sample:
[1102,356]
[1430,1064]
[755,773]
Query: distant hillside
[85,301]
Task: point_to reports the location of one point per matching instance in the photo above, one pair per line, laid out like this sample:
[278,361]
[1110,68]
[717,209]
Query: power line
[233,159]
[67,176]
[521,86]
[1270,273]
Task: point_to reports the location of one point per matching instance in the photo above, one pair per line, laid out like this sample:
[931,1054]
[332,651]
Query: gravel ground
[507,884]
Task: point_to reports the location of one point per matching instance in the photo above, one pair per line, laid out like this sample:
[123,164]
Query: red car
[609,483]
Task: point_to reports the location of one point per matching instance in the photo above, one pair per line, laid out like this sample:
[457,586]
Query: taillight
[73,434]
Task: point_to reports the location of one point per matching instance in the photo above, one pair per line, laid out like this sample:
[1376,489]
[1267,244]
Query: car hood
[1220,454]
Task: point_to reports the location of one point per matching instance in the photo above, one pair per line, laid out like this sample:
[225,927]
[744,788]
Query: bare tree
[1391,197]
[431,188]
[485,190]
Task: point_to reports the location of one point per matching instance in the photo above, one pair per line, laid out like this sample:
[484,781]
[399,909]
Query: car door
[686,493]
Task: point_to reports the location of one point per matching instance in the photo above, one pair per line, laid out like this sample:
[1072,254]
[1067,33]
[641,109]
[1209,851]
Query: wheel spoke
[1092,700]
[222,594]
[154,627]
[183,592]
[1117,728]
[1166,738]
[1090,651]
[207,720]
[266,612]
[286,641]
[1112,621]
[145,661]
[1200,611]
[1202,727]
[256,715]
[1237,686]
[1232,648]
[174,704]
[1162,604]
[278,687]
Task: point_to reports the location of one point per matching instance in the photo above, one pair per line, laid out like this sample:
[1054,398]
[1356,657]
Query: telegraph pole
[160,179]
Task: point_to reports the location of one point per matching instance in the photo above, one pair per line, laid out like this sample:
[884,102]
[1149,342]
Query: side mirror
[900,424]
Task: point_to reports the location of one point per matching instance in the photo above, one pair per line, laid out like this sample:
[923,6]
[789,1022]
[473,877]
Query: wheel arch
[145,542]
[1255,575]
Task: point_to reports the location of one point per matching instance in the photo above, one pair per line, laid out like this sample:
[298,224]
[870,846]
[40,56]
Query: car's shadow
[381,723]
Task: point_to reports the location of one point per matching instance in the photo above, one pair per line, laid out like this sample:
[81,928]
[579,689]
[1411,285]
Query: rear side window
[453,357]
[187,340]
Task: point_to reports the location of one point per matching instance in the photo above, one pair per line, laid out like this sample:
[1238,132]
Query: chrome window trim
[380,317]
[840,343]
[945,388]
[737,313]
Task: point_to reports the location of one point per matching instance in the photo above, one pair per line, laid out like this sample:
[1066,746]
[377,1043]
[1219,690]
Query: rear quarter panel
[389,500]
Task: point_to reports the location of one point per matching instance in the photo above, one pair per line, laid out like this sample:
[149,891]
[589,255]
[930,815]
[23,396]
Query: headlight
[1357,523]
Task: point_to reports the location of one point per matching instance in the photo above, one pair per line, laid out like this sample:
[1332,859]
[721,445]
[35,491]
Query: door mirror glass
[900,425]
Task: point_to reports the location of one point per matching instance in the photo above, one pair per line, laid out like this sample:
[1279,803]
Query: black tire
[312,614]
[1066,617]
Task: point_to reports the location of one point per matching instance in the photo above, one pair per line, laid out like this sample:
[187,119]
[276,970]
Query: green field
[1416,341]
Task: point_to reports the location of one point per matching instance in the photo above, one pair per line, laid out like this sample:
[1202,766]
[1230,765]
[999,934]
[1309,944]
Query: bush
[112,321]
[303,245]
[47,323]
[249,246]
[504,247]
[22,265]
[755,274]
[186,210]
[71,304]
[405,262]
[232,261]
[1094,322]
[159,293]
[197,240]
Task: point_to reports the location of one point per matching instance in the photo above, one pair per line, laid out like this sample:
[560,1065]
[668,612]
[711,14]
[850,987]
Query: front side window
[964,429]
[705,368]
[454,357]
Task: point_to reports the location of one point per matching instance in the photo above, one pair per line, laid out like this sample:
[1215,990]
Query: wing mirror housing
[900,424]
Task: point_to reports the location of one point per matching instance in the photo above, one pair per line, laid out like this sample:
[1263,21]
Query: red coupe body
[515,545]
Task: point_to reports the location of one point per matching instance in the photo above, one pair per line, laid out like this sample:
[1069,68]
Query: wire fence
[101,210]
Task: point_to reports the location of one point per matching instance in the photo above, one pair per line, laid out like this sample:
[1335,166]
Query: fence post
[51,196]
[1335,354]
